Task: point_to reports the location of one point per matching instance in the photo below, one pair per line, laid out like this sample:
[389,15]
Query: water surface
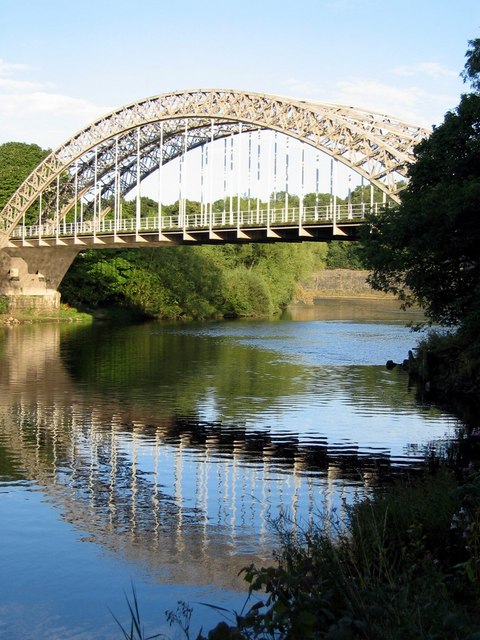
[156,454]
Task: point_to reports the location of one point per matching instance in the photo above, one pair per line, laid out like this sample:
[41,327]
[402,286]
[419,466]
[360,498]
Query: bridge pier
[29,277]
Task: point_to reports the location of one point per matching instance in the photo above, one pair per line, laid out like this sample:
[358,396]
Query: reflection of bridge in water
[187,499]
[261,169]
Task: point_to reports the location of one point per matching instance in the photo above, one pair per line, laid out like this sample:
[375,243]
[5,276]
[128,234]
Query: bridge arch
[136,139]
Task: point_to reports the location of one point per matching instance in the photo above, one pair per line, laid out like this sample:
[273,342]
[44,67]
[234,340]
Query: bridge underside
[228,234]
[31,271]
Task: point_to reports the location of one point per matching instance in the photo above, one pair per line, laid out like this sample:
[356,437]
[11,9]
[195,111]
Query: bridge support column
[29,277]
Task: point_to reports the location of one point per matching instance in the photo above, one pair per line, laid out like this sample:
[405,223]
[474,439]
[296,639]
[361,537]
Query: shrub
[246,294]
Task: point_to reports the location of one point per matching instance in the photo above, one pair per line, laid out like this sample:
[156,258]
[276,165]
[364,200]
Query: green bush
[202,282]
[384,528]
[246,294]
[344,255]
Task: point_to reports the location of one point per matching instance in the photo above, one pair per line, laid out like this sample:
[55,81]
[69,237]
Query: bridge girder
[376,146]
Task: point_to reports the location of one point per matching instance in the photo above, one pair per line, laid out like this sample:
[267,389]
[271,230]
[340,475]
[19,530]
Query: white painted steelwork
[112,156]
[283,223]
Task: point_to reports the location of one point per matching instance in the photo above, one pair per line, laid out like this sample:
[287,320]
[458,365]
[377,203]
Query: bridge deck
[293,225]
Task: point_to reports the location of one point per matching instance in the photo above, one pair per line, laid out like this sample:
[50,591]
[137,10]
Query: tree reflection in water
[173,446]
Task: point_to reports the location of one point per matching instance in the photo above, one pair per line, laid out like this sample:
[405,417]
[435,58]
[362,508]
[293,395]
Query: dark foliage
[426,250]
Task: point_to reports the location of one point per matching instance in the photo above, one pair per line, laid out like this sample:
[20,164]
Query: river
[156,456]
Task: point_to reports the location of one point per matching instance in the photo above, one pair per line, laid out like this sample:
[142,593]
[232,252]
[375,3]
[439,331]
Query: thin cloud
[10,84]
[412,103]
[43,118]
[44,102]
[430,69]
[299,89]
[9,68]
[375,92]
[31,111]
[406,103]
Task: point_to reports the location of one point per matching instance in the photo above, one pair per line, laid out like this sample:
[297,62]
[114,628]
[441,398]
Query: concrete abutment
[29,277]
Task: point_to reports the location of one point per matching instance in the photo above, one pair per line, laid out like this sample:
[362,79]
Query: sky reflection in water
[156,454]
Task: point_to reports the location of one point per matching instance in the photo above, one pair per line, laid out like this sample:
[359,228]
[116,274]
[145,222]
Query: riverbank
[446,371]
[342,283]
[329,283]
[64,314]
[407,565]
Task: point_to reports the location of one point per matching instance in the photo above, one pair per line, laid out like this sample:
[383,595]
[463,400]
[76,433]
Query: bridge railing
[205,219]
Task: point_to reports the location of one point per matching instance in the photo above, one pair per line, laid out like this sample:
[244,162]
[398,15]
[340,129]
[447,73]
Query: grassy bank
[407,565]
[64,314]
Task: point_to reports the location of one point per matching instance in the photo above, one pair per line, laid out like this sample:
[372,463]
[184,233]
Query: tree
[471,73]
[344,255]
[17,161]
[427,249]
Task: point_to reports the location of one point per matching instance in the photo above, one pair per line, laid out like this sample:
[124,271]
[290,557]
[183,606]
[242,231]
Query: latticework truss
[136,139]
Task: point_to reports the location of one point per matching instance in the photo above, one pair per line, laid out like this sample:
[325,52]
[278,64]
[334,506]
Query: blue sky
[63,64]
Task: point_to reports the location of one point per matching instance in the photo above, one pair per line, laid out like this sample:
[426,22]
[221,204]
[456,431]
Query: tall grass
[135,631]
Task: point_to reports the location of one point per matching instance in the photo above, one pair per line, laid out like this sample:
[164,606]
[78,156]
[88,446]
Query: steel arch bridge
[127,145]
[75,196]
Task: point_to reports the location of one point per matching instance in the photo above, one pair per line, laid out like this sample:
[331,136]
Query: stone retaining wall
[336,282]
